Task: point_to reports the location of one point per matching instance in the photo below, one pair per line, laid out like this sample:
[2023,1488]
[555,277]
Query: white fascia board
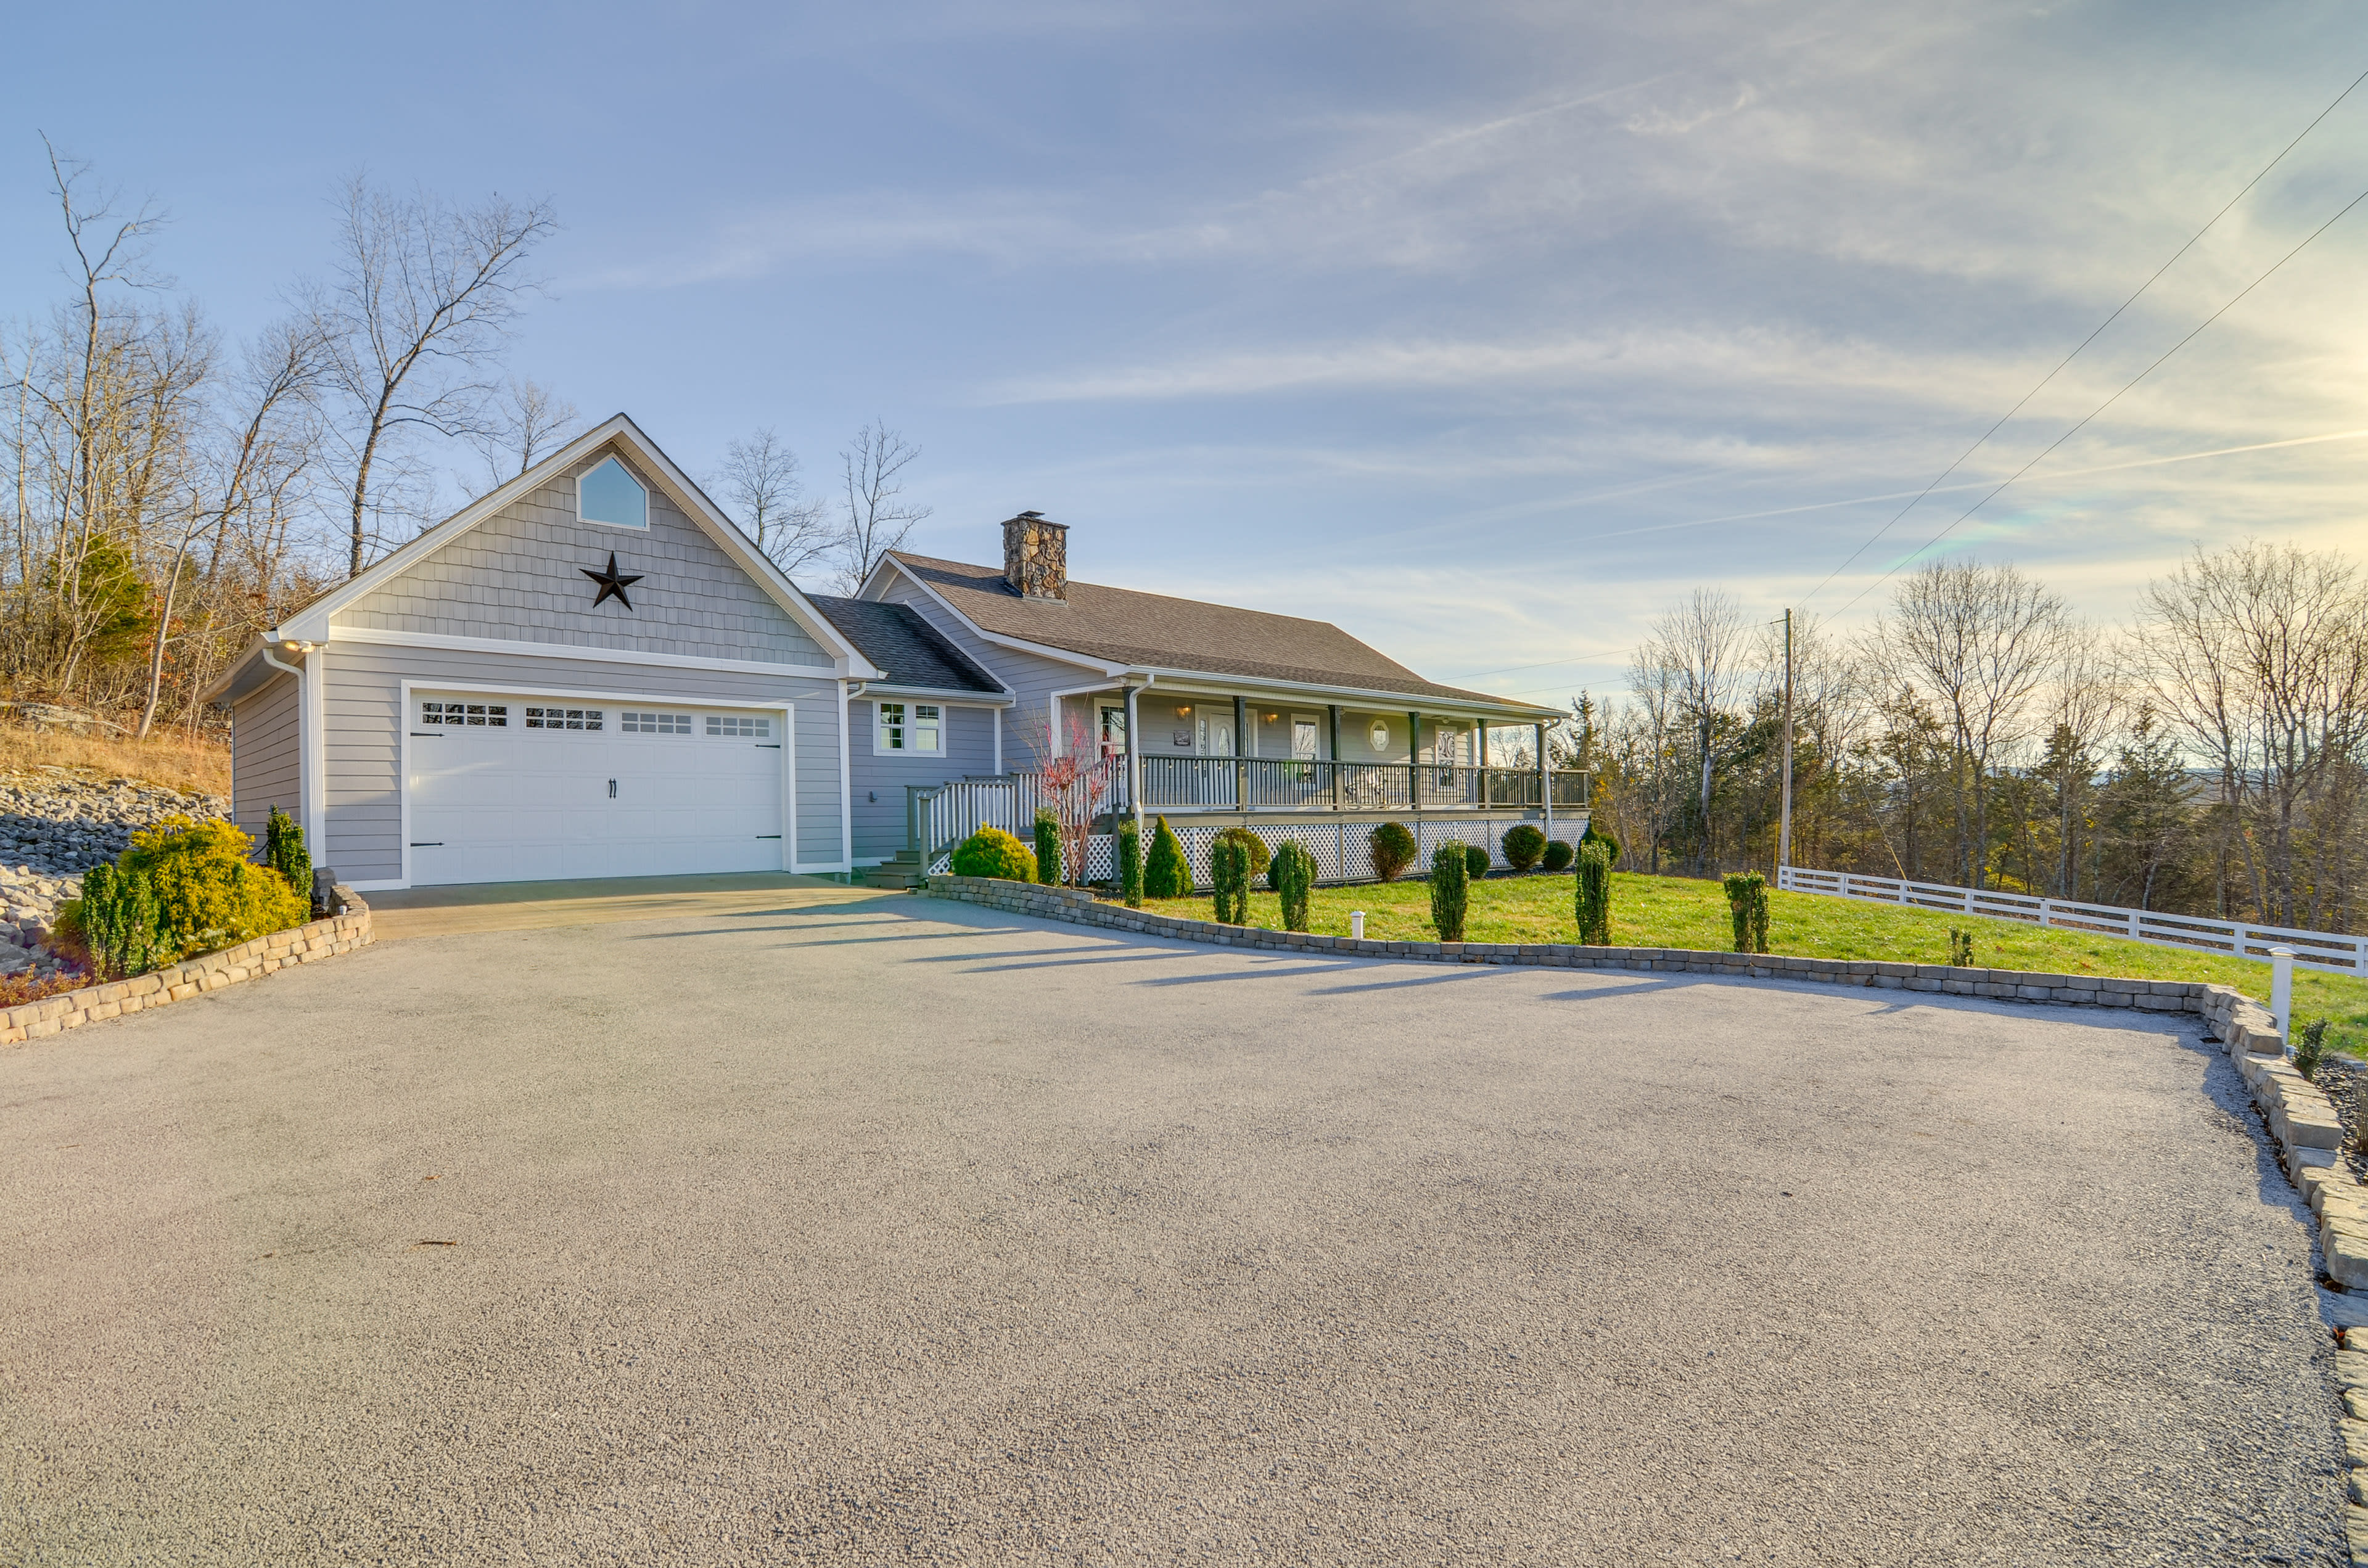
[254,651]
[815,673]
[1209,683]
[313,623]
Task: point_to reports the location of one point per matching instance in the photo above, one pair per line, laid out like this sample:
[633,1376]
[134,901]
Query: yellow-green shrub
[208,893]
[991,852]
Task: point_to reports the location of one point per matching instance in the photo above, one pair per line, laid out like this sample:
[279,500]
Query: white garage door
[531,789]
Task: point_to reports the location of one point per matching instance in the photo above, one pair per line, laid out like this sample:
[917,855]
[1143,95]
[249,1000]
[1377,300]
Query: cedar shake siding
[515,577]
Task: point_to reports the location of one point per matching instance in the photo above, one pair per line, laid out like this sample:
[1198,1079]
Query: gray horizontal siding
[517,578]
[363,744]
[265,755]
[879,825]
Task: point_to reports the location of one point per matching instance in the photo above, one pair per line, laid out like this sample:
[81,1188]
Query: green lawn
[1681,911]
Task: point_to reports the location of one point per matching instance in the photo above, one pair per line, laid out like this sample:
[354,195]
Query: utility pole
[1784,824]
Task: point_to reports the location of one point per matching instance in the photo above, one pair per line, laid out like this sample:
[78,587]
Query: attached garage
[502,787]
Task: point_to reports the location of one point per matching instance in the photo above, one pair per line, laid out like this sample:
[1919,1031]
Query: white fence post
[1357,924]
[2282,991]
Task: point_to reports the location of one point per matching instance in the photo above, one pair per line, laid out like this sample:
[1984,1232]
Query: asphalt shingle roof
[898,640]
[1120,625]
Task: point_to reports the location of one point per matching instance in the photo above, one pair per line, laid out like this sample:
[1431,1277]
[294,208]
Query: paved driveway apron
[886,1231]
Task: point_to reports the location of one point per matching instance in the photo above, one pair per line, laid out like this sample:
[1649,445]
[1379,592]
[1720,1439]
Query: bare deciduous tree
[1701,645]
[877,521]
[425,293]
[2260,656]
[760,482]
[1980,642]
[523,424]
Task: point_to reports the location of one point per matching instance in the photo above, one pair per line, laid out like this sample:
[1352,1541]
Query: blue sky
[1486,330]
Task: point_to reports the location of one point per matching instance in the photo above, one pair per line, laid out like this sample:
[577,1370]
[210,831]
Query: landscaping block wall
[178,982]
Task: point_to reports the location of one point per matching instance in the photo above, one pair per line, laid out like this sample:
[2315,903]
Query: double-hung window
[917,728]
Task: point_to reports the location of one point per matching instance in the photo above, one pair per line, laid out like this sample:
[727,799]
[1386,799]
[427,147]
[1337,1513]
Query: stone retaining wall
[178,982]
[1083,908]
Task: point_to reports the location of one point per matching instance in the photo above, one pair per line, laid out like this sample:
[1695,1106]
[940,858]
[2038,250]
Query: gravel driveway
[898,1231]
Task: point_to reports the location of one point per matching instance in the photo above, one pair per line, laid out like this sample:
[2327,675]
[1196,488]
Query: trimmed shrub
[1594,895]
[2311,1049]
[1524,845]
[207,892]
[1747,905]
[1961,948]
[1166,874]
[1475,861]
[284,852]
[1558,855]
[1047,846]
[1294,878]
[1229,880]
[1130,862]
[991,852]
[1252,846]
[1610,845]
[1450,890]
[1392,849]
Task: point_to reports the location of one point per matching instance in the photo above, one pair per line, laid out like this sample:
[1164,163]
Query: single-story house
[591,672]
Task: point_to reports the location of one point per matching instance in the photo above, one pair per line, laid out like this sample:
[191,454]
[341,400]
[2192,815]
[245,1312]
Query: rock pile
[55,822]
[58,821]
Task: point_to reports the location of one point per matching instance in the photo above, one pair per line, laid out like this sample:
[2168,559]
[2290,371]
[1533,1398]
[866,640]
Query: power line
[2084,343]
[2108,402]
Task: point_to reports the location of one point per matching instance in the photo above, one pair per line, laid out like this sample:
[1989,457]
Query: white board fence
[2314,949]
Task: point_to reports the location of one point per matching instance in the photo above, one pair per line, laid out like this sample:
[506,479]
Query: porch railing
[1262,784]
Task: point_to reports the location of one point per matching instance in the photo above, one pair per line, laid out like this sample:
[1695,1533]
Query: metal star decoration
[612,587]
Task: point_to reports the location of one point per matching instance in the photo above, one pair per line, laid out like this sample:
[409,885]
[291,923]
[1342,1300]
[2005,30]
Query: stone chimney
[1036,556]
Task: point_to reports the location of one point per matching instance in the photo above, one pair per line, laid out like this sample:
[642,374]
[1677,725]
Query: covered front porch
[1183,752]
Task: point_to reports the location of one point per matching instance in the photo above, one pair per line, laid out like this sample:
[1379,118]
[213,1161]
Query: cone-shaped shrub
[1047,846]
[1294,878]
[1747,904]
[1558,856]
[1610,845]
[1475,861]
[1392,849]
[1130,862]
[284,852]
[1525,846]
[1165,872]
[1594,895]
[1450,890]
[1229,878]
[991,852]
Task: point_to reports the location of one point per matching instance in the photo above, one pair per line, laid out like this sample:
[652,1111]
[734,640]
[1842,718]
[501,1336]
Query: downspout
[308,747]
[1134,745]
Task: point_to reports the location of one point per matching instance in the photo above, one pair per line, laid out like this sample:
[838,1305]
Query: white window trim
[641,528]
[787,712]
[880,746]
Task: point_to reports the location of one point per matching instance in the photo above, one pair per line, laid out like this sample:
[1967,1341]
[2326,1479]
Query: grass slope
[169,757]
[1680,912]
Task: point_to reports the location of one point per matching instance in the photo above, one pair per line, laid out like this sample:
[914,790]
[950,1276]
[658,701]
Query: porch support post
[1545,781]
[1414,761]
[1241,751]
[1133,772]
[1480,758]
[1332,712]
